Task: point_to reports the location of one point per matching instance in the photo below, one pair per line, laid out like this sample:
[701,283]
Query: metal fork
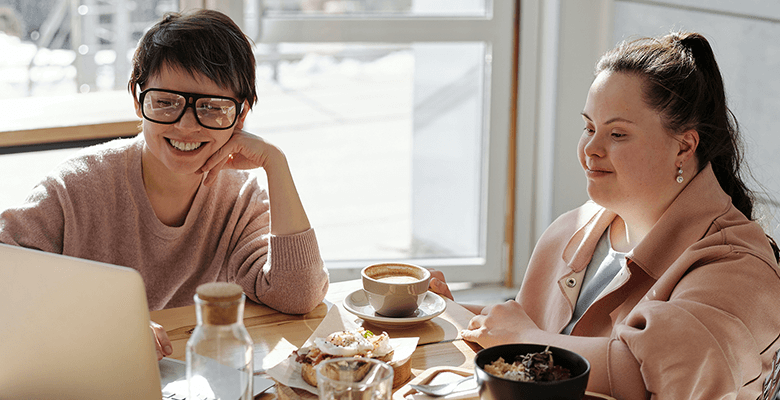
[771,383]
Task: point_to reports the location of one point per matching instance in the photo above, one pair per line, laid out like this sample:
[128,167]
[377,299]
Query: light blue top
[602,269]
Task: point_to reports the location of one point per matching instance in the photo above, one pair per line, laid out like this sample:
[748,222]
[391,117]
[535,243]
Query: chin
[188,169]
[599,198]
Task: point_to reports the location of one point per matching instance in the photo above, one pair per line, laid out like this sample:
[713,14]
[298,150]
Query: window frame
[495,29]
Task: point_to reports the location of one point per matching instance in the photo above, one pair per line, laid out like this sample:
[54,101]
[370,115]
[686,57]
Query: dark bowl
[495,388]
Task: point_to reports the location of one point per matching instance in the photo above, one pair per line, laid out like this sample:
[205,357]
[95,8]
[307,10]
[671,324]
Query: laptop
[79,329]
[73,329]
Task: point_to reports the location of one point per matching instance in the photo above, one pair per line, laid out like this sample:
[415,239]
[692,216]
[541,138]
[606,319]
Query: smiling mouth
[596,171]
[184,146]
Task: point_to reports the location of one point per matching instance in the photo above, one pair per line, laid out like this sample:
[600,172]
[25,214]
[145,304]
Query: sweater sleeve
[39,223]
[284,272]
[706,342]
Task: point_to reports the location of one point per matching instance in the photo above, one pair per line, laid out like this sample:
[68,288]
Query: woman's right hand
[161,341]
[438,284]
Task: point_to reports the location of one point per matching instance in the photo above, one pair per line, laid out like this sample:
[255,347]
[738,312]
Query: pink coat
[696,317]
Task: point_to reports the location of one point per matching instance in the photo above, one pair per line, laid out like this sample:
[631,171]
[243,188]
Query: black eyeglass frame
[192,99]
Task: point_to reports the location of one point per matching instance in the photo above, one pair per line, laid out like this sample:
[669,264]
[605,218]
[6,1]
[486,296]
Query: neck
[633,223]
[626,234]
[170,194]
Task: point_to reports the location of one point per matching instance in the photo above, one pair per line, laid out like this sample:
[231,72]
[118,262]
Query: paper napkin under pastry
[288,372]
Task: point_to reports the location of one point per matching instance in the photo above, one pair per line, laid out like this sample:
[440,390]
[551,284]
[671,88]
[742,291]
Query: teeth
[185,146]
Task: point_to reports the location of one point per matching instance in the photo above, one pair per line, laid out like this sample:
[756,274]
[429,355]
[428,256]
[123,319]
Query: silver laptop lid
[73,329]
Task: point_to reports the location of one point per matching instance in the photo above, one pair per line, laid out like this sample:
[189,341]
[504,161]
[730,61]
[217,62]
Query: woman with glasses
[173,202]
[663,281]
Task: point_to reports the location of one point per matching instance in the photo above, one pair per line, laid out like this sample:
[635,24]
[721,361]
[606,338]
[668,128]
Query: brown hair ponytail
[721,144]
[684,84]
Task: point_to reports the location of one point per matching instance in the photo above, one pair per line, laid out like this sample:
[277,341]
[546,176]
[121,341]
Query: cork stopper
[221,302]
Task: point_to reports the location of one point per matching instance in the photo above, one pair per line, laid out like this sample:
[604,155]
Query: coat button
[571,282]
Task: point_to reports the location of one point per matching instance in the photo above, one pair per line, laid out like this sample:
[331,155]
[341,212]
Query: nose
[188,120]
[594,145]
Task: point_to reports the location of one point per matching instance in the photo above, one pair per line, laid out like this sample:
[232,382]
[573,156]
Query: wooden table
[438,348]
[439,343]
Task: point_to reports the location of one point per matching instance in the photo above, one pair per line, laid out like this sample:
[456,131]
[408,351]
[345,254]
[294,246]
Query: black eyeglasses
[168,106]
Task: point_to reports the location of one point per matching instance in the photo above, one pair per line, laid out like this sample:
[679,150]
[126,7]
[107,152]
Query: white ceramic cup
[395,289]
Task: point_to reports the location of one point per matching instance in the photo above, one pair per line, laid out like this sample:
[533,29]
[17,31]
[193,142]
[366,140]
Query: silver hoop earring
[680,178]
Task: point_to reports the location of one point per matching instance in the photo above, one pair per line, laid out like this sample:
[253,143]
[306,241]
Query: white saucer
[431,306]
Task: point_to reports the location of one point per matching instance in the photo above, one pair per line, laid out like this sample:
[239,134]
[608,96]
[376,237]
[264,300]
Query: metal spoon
[440,390]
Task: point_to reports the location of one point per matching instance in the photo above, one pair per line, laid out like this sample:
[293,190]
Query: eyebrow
[609,121]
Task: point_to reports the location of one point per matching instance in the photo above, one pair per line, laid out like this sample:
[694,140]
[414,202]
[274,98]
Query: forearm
[287,213]
[296,268]
[594,349]
[38,225]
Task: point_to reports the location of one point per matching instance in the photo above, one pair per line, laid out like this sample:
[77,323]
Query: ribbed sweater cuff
[294,251]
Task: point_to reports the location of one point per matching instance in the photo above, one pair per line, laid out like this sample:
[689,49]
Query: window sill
[35,121]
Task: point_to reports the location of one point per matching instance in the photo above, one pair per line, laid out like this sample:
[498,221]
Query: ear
[689,141]
[244,112]
[137,108]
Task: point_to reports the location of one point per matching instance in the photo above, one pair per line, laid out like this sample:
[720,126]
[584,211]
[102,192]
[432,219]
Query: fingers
[211,174]
[440,288]
[242,151]
[476,330]
[486,310]
[161,340]
[216,161]
[437,274]
[500,323]
[225,153]
[439,285]
[471,335]
[476,322]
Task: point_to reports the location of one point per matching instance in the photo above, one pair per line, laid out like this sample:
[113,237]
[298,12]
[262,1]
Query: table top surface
[275,334]
[439,338]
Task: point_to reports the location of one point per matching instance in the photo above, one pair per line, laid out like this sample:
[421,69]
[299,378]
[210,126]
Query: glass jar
[219,352]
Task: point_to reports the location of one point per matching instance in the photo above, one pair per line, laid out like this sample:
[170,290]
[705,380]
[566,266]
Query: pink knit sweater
[94,206]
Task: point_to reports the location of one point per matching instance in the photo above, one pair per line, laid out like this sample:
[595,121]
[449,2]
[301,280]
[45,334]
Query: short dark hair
[206,42]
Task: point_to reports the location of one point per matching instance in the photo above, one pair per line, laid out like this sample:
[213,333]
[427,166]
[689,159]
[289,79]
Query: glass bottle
[219,352]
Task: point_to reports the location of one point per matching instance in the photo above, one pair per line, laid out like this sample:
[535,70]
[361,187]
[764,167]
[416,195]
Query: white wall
[561,40]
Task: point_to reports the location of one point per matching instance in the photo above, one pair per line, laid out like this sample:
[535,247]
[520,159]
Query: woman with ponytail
[663,280]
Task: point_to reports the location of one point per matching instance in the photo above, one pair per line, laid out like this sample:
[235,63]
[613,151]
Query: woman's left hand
[243,151]
[161,340]
[439,285]
[247,151]
[499,324]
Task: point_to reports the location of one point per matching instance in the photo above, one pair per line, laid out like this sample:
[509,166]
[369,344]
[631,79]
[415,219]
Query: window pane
[384,143]
[385,8]
[385,140]
[64,47]
[22,171]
